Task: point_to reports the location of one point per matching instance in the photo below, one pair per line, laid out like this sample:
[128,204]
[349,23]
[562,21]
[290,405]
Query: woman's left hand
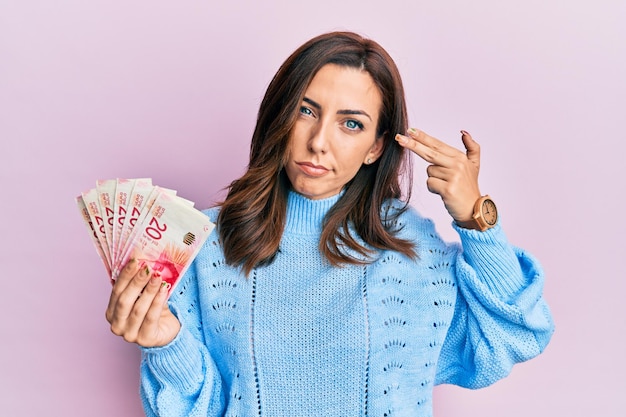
[453,174]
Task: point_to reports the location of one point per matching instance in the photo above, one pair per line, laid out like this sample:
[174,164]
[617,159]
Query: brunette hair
[252,217]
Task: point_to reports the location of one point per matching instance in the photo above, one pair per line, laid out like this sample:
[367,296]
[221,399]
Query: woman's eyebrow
[354,112]
[312,103]
[318,107]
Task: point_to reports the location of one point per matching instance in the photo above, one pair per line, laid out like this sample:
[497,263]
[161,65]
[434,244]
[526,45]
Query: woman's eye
[354,125]
[306,111]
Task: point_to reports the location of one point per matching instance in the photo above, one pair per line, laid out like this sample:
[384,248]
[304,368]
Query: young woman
[322,292]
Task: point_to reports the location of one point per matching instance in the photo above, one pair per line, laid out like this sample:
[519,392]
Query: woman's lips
[311,169]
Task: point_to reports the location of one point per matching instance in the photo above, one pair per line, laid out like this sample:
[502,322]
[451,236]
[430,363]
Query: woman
[321,292]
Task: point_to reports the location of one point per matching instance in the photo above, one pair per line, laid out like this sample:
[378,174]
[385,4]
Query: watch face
[490,213]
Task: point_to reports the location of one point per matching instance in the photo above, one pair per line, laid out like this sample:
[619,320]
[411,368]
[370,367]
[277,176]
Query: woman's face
[335,132]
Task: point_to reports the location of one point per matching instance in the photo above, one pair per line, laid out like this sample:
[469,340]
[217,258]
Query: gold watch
[485,215]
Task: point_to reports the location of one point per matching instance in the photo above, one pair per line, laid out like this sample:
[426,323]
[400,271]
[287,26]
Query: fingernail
[413,130]
[146,271]
[129,264]
[165,286]
[402,139]
[464,132]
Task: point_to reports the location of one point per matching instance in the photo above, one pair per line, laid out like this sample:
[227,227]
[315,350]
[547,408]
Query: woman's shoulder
[411,225]
[212,245]
[212,213]
[402,215]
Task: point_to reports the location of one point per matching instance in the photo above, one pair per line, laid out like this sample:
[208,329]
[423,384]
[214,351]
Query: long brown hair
[252,217]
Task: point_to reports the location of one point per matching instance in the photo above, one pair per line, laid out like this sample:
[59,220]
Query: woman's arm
[181,378]
[178,375]
[500,316]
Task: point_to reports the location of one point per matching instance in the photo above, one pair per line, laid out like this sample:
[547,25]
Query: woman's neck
[306,216]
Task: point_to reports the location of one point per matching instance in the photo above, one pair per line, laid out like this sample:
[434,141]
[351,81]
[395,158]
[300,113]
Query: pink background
[169,90]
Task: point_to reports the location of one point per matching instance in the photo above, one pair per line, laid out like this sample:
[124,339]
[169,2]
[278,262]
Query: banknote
[134,219]
[106,197]
[123,190]
[91,201]
[138,198]
[169,238]
[92,232]
[132,229]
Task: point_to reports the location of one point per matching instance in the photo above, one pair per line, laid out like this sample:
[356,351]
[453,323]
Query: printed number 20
[155,232]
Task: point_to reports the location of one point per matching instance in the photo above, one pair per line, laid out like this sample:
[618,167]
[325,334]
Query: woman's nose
[320,138]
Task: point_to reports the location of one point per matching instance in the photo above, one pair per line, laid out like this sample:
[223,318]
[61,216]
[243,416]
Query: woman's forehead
[344,87]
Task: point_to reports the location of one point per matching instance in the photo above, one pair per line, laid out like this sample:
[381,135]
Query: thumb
[472,147]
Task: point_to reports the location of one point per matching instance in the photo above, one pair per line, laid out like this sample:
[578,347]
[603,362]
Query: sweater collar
[306,216]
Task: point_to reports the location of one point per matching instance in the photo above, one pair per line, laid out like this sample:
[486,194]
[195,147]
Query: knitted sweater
[302,338]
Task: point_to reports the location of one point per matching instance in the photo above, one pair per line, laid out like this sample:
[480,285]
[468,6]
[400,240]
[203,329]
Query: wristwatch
[485,215]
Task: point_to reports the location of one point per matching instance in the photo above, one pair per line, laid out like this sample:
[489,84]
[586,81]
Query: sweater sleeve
[500,315]
[181,378]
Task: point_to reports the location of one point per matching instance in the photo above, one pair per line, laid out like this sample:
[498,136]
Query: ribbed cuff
[179,363]
[493,258]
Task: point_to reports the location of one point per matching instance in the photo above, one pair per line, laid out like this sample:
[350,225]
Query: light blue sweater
[302,338]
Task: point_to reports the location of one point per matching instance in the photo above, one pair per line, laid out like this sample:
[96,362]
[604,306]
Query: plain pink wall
[169,90]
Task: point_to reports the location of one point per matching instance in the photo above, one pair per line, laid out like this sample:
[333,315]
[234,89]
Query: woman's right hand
[138,309]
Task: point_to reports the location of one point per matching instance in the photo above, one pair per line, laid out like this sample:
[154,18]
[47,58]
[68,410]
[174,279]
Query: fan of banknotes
[133,219]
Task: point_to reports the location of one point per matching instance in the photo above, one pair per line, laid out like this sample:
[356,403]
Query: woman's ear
[376,150]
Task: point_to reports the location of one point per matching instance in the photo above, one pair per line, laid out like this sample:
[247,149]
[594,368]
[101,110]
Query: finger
[133,323]
[457,170]
[150,323]
[425,152]
[437,171]
[122,302]
[451,184]
[432,142]
[128,271]
[436,185]
[126,275]
[472,147]
[120,284]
